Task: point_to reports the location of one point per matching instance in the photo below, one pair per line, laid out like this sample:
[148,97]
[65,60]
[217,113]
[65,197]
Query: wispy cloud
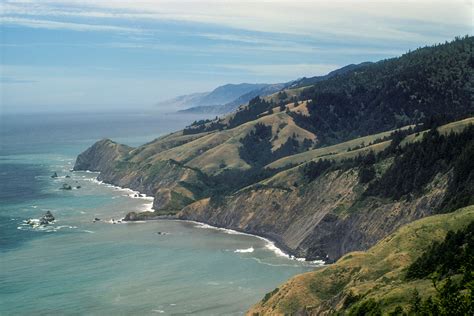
[9,80]
[282,26]
[284,70]
[55,25]
[154,49]
[360,19]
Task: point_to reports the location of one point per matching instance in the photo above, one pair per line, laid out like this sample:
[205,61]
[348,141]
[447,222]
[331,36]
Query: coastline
[273,245]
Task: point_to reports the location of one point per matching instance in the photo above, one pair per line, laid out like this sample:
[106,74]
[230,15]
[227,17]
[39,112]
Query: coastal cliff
[322,169]
[319,221]
[323,218]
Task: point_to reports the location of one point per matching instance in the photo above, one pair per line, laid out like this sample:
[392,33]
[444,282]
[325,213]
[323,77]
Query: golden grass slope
[331,150]
[339,151]
[374,274]
[214,151]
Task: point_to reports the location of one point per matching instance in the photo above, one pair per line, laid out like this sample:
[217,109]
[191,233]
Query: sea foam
[248,250]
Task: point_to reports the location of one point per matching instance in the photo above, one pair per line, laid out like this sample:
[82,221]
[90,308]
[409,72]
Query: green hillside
[375,282]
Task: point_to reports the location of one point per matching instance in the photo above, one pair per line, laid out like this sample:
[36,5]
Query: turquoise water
[76,266]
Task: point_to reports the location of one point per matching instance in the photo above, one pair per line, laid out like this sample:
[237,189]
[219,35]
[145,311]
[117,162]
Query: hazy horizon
[61,56]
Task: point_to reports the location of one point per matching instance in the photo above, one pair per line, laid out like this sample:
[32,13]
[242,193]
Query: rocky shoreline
[316,221]
[150,216]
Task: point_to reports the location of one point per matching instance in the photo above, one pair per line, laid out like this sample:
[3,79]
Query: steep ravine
[321,220]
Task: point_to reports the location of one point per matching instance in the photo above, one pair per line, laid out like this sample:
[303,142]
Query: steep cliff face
[323,220]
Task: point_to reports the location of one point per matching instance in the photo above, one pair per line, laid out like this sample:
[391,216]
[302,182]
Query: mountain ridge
[207,102]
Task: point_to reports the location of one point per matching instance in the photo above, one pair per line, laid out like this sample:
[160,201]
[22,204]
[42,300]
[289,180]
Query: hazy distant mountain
[229,92]
[228,107]
[212,101]
[183,101]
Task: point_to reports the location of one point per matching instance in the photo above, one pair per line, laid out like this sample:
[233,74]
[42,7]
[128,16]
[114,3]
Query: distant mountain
[213,102]
[228,98]
[263,90]
[183,101]
[229,92]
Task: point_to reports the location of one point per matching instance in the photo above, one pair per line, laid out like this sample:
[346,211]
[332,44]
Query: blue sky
[88,55]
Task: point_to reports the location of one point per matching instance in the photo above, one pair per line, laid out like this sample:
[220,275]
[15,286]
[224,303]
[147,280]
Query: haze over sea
[75,266]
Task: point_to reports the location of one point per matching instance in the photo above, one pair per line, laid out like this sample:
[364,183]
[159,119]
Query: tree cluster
[416,164]
[392,93]
[452,256]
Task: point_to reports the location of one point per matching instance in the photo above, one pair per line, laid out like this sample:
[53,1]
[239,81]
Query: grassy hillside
[351,149]
[335,150]
[376,275]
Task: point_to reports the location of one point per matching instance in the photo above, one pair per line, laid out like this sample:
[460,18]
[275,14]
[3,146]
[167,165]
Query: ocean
[78,266]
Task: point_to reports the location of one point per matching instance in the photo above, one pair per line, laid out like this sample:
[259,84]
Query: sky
[89,55]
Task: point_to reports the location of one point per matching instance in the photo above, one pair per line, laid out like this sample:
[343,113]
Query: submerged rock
[43,221]
[68,176]
[48,217]
[32,222]
[132,216]
[66,187]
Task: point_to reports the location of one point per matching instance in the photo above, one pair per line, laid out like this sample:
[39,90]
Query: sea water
[78,266]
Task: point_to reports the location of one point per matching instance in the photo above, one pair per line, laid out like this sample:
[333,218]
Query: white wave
[85,171]
[159,311]
[34,223]
[271,246]
[114,221]
[130,193]
[66,226]
[147,207]
[203,225]
[248,250]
